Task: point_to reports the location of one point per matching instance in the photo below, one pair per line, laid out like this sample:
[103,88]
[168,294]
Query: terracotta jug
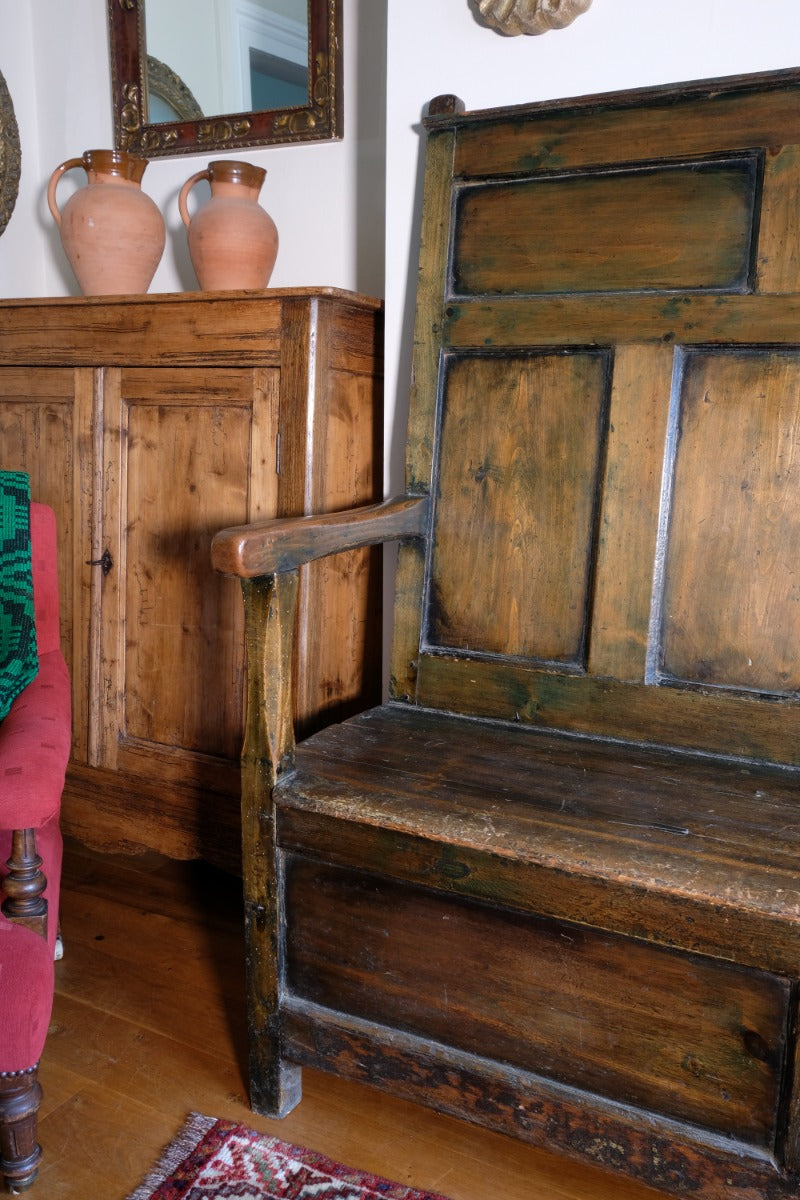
[233,242]
[112,233]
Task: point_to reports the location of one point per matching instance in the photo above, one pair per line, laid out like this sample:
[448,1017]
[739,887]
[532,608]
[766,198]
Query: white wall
[332,202]
[438,46]
[54,57]
[21,260]
[183,34]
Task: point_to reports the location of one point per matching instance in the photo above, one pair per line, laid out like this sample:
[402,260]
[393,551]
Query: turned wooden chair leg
[20,1098]
[25,883]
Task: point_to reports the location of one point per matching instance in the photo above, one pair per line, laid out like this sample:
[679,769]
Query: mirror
[249,73]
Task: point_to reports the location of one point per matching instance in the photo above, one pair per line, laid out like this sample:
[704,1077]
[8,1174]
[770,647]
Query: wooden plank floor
[148,1025]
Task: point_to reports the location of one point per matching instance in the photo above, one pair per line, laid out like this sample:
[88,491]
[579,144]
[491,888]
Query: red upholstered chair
[34,746]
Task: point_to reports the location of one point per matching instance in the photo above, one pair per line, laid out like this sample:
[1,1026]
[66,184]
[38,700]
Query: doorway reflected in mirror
[247,55]
[189,76]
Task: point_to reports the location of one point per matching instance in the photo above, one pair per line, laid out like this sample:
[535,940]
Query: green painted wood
[653,228]
[552,885]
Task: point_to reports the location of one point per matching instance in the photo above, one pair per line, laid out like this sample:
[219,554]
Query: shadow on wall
[400,388]
[370,108]
[401,385]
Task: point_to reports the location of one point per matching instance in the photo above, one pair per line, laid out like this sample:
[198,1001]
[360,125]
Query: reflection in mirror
[168,97]
[192,75]
[248,54]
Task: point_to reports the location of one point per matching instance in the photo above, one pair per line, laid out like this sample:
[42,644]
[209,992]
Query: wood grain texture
[338,406]
[572,806]
[353,945]
[429,314]
[509,490]
[124,1062]
[45,430]
[414,1068]
[188,426]
[778,238]
[693,318]
[738,723]
[268,752]
[638,126]
[732,602]
[551,886]
[668,227]
[149,423]
[229,328]
[628,520]
[408,587]
[425,384]
[272,547]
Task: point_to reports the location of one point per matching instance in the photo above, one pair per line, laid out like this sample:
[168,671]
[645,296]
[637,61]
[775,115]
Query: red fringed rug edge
[186,1141]
[201,1137]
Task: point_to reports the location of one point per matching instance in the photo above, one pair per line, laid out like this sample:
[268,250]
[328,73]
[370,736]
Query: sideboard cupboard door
[149,423]
[331,433]
[178,451]
[45,430]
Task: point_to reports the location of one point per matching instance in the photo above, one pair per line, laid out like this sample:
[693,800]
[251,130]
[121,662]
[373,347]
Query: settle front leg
[268,753]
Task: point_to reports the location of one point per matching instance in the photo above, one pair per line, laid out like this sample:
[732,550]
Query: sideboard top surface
[234,328]
[257,296]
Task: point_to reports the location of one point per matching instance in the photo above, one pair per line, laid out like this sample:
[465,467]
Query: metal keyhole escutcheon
[105,562]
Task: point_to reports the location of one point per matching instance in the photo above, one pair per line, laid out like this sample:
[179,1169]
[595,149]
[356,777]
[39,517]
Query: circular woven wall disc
[10,157]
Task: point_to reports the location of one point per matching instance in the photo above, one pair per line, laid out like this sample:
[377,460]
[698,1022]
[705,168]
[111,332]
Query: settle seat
[553,884]
[34,746]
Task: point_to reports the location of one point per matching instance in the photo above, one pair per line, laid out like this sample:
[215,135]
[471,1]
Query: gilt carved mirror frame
[319,120]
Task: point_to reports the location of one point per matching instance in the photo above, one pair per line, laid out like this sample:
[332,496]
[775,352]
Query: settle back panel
[605,413]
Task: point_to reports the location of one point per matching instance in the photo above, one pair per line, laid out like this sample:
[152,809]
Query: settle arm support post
[267,557]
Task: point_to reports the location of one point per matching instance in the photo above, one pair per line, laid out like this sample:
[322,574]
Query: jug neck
[118,165]
[227,176]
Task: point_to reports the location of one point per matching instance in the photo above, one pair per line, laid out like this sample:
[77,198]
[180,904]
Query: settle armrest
[281,545]
[266,556]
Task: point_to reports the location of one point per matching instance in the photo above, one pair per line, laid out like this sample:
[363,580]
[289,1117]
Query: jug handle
[184,192]
[53,184]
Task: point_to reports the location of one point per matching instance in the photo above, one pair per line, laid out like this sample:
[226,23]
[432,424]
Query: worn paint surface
[552,886]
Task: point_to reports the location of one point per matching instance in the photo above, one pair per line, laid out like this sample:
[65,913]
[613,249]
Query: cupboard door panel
[335,676]
[45,430]
[178,450]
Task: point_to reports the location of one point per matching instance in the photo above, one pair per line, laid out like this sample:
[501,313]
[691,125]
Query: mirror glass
[192,75]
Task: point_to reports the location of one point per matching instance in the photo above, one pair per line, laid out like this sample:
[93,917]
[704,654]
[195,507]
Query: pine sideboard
[148,423]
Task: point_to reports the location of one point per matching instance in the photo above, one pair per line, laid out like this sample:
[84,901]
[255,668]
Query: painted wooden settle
[552,885]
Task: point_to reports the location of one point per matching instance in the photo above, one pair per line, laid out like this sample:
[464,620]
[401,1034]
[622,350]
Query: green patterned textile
[18,658]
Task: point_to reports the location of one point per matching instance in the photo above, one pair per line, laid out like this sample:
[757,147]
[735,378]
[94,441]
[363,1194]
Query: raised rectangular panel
[685,226]
[692,1038]
[522,443]
[731,584]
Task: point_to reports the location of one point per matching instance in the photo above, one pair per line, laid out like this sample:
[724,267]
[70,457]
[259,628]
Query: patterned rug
[217,1160]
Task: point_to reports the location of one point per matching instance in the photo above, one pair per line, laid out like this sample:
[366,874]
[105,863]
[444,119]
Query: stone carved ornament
[531,16]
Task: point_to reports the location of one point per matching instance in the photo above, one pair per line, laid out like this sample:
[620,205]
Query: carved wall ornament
[531,16]
[10,157]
